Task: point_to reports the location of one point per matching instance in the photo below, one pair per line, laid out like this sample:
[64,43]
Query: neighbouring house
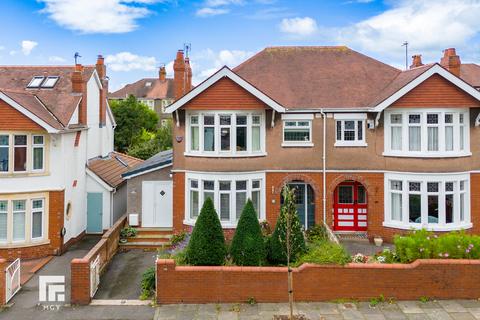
[157,93]
[53,119]
[370,149]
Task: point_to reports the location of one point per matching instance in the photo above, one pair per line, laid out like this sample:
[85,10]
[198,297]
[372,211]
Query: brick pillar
[80,286]
[164,267]
[3,266]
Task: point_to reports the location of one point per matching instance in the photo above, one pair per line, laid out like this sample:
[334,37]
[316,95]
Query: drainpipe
[324,167]
[112,206]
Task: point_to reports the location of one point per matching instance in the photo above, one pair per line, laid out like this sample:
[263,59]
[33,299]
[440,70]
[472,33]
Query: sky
[138,36]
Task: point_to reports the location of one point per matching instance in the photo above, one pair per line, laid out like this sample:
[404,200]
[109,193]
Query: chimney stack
[162,74]
[416,61]
[79,86]
[451,61]
[102,74]
[179,75]
[188,70]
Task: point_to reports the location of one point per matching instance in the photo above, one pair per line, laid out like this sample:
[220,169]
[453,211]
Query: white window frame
[3,241]
[11,153]
[42,211]
[233,134]
[297,118]
[217,177]
[38,146]
[356,118]
[26,146]
[442,179]
[424,153]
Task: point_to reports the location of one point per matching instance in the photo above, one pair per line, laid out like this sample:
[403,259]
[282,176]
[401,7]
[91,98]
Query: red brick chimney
[416,61]
[162,74]
[188,70]
[179,75]
[451,61]
[102,74]
[79,86]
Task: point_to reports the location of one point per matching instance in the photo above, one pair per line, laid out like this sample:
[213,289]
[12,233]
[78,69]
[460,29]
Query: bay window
[229,193]
[22,153]
[426,132]
[435,202]
[350,129]
[225,133]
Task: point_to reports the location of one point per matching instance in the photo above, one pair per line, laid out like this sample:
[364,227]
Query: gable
[436,91]
[225,94]
[12,119]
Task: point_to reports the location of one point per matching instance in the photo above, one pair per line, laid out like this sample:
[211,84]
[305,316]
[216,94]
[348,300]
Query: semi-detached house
[368,147]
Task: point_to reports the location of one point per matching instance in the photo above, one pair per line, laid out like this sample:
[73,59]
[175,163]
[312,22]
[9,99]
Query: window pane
[256,201]
[241,138]
[3,140]
[448,118]
[194,120]
[396,143]
[413,118]
[20,140]
[193,204]
[38,140]
[449,138]
[432,187]
[240,200]
[396,206]
[449,208]
[224,185]
[37,224]
[345,194]
[361,195]
[194,138]
[339,130]
[256,119]
[3,220]
[414,138]
[225,206]
[208,187]
[18,220]
[462,206]
[415,208]
[462,137]
[225,120]
[255,184]
[4,153]
[209,139]
[225,139]
[432,209]
[432,118]
[396,118]
[414,186]
[194,183]
[241,185]
[241,120]
[20,153]
[256,139]
[396,185]
[432,139]
[297,135]
[360,130]
[208,120]
[38,158]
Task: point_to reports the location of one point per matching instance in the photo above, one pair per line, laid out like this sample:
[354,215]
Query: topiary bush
[248,247]
[277,246]
[207,243]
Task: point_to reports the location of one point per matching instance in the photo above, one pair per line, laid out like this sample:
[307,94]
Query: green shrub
[128,232]
[248,247]
[325,252]
[207,243]
[386,256]
[317,233]
[178,237]
[423,244]
[178,256]
[277,246]
[148,283]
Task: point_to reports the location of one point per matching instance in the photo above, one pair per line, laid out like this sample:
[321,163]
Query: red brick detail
[3,266]
[79,85]
[178,201]
[77,138]
[12,119]
[441,279]
[55,225]
[225,95]
[436,91]
[80,268]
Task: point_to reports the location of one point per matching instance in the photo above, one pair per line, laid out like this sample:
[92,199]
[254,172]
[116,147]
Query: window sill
[453,227]
[342,144]
[24,174]
[23,244]
[297,144]
[426,155]
[225,155]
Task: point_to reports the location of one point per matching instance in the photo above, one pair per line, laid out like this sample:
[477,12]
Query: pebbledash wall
[442,279]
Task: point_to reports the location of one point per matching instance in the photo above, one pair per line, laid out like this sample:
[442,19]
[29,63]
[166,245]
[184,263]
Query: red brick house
[369,148]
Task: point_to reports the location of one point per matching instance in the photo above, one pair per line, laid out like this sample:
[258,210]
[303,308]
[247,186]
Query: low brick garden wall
[80,267]
[3,289]
[442,279]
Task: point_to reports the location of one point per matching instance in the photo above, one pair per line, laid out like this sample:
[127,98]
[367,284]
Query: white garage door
[157,198]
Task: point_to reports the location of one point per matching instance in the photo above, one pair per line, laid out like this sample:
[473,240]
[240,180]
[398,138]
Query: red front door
[350,207]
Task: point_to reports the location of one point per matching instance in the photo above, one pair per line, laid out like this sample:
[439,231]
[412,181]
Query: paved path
[415,310]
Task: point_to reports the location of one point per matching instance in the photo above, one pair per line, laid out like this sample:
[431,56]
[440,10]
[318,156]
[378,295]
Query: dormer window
[50,82]
[35,82]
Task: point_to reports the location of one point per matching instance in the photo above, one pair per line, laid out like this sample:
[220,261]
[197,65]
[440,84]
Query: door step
[351,236]
[148,245]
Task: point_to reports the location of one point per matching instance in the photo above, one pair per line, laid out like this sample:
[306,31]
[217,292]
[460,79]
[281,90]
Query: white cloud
[209,12]
[28,46]
[98,16]
[56,59]
[2,48]
[127,61]
[217,3]
[428,26]
[298,27]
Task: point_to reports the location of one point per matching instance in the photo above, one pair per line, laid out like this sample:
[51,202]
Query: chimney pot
[416,61]
[162,74]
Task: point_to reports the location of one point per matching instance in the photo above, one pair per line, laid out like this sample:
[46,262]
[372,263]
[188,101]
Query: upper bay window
[22,153]
[297,130]
[427,132]
[225,134]
[350,129]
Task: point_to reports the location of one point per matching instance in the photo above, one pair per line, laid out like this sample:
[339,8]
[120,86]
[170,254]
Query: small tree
[207,244]
[248,247]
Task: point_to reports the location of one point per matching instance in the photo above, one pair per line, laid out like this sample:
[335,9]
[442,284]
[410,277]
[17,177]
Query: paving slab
[451,306]
[410,307]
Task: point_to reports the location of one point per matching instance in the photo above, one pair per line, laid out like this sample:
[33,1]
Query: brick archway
[300,177]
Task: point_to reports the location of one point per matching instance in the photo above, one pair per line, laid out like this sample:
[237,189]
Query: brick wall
[80,268]
[442,279]
[3,266]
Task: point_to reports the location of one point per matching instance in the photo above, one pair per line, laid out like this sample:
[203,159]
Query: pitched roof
[161,159]
[317,77]
[54,106]
[111,167]
[470,72]
[149,88]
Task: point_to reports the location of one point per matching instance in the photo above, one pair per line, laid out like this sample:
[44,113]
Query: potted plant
[127,232]
[378,241]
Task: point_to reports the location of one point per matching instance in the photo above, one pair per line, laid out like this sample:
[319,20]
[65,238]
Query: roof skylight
[35,82]
[50,82]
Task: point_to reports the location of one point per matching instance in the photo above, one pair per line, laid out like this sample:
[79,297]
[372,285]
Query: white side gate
[12,278]
[94,275]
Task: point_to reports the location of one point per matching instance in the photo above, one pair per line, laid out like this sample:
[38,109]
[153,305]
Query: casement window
[22,220]
[22,153]
[297,130]
[426,132]
[225,134]
[229,193]
[350,130]
[434,202]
